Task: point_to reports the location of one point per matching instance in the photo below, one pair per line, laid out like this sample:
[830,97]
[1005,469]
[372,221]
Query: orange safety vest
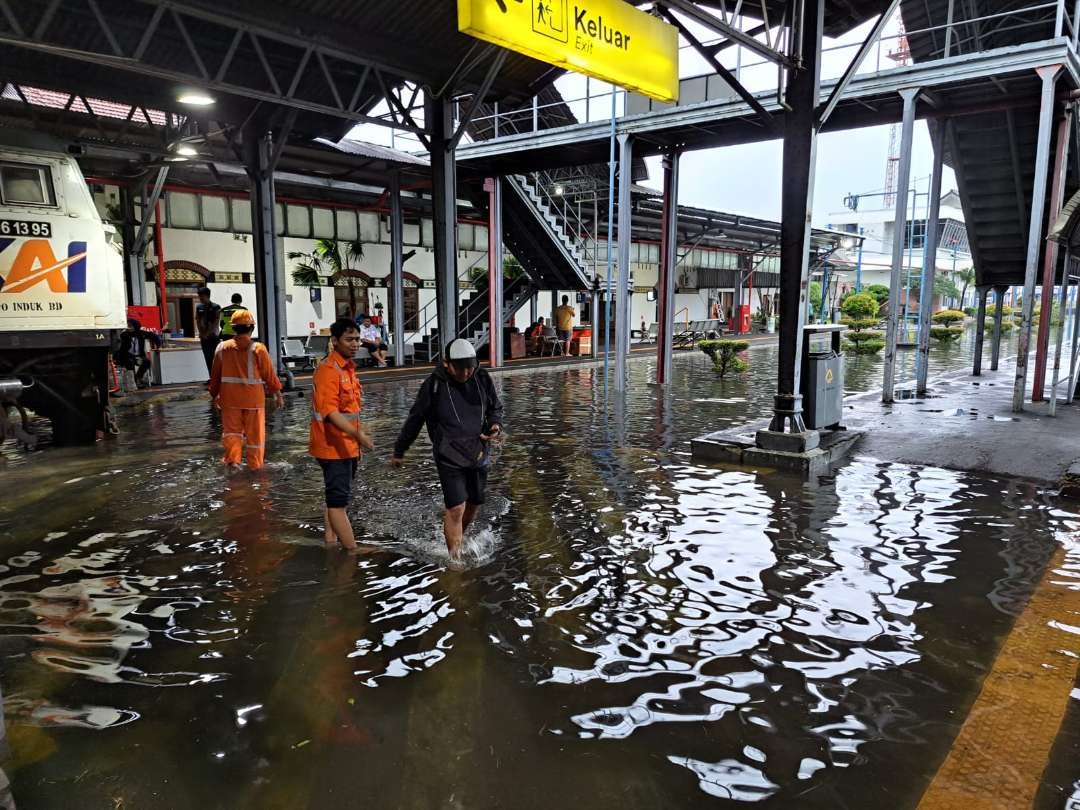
[242,377]
[335,389]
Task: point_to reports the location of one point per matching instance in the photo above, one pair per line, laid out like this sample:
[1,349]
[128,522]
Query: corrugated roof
[374,152]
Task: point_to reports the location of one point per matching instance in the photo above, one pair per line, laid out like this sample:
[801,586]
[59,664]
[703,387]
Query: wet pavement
[633,629]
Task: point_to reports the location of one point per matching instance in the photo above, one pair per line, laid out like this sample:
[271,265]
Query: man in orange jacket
[240,379]
[337,438]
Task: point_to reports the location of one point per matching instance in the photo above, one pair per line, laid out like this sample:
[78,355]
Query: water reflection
[636,630]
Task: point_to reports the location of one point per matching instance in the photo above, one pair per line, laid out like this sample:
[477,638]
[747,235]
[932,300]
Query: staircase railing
[422,329]
[521,291]
[563,242]
[583,237]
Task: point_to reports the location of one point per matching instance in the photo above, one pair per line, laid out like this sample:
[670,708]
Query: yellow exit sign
[607,39]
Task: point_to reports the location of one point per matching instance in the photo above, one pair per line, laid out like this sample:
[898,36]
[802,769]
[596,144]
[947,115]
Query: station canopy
[329,63]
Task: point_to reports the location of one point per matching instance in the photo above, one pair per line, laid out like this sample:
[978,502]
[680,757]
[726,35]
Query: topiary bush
[859,307]
[970,311]
[946,334]
[947,317]
[870,346]
[724,355]
[1006,326]
[860,316]
[864,335]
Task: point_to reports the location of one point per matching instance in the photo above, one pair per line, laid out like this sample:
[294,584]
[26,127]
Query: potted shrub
[725,355]
[860,316]
[945,331]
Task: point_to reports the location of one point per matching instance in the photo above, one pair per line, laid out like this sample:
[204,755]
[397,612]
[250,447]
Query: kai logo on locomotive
[35,263]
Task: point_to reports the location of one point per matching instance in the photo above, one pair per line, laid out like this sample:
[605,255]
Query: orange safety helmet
[242,317]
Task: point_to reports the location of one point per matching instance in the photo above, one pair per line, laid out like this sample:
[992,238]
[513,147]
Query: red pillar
[1057,199]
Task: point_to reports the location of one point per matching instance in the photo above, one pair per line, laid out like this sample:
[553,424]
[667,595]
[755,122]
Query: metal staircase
[473,318]
[992,153]
[555,257]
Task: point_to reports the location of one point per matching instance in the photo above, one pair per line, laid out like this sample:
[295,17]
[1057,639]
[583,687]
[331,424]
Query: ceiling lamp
[195,98]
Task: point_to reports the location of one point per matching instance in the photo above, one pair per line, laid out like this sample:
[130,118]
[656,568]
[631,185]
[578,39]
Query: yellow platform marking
[999,756]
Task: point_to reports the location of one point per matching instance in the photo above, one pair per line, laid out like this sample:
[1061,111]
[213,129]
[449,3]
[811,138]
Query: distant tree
[815,297]
[879,292]
[967,277]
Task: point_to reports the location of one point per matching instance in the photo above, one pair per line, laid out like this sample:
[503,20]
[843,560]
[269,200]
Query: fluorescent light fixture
[195,98]
[187,150]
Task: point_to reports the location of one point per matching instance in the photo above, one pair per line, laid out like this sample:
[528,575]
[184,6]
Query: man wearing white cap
[463,414]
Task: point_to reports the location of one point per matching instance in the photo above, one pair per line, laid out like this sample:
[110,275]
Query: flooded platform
[633,629]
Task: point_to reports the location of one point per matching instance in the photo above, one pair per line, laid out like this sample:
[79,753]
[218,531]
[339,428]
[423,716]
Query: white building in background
[873,265]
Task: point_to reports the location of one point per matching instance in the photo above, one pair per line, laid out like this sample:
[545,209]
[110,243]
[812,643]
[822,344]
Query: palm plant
[327,263]
[967,276]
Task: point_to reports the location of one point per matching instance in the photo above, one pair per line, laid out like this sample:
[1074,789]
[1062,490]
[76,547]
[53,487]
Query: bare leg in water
[339,529]
[456,521]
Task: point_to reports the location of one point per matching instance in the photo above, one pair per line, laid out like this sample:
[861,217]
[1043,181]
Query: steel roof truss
[710,56]
[334,63]
[855,64]
[722,27]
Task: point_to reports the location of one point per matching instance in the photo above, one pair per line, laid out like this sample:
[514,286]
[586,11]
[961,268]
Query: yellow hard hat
[242,317]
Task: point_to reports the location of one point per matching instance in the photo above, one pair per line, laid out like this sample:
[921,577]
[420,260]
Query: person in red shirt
[241,376]
[337,439]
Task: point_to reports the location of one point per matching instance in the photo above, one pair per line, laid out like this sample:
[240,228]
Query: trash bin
[823,376]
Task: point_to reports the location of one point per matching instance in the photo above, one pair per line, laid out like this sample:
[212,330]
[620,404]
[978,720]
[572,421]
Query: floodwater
[633,630]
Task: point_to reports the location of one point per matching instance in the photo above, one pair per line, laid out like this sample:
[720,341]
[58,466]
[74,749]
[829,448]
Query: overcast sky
[747,179]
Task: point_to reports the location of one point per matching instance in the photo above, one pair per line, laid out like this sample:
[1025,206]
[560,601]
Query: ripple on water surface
[630,629]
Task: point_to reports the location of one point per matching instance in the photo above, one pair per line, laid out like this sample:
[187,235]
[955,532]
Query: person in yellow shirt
[564,324]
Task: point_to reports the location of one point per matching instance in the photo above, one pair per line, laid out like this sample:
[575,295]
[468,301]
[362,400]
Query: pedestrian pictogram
[549,19]
[610,40]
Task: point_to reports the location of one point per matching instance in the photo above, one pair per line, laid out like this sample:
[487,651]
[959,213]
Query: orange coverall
[241,378]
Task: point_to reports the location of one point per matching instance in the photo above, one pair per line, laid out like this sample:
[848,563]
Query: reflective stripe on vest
[251,379]
[318,417]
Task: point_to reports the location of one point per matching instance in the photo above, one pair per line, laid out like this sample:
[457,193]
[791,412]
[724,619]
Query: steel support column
[1049,76]
[1066,280]
[903,179]
[929,270]
[397,273]
[665,287]
[439,119]
[995,338]
[534,308]
[594,318]
[260,157]
[1050,254]
[625,224]
[980,330]
[495,271]
[1071,392]
[800,157]
[554,306]
[134,260]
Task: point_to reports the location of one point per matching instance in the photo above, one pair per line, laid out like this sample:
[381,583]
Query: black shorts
[462,486]
[338,474]
[565,334]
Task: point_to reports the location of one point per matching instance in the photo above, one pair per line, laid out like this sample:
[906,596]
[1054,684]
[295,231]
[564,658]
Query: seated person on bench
[371,339]
[534,337]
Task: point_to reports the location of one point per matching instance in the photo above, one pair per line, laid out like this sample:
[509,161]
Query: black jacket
[455,414]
